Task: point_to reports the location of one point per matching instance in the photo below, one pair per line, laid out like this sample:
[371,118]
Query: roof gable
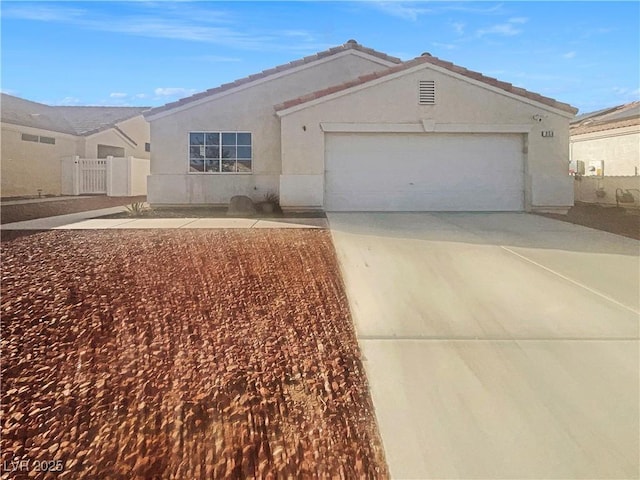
[64,119]
[424,60]
[350,46]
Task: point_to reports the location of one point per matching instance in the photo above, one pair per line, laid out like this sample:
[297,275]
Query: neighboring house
[35,138]
[607,142]
[351,128]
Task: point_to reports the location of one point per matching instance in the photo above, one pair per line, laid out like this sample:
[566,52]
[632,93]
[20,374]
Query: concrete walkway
[89,221]
[497,345]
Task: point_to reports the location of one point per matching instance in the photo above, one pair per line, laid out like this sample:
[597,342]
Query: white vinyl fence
[113,176]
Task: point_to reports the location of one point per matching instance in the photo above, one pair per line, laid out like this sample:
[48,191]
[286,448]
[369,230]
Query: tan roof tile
[583,128]
[426,58]
[350,45]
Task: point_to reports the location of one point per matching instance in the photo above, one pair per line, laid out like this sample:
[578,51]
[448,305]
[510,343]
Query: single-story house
[607,142]
[355,129]
[36,137]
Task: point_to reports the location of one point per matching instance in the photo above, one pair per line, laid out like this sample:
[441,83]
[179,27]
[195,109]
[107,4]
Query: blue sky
[154,52]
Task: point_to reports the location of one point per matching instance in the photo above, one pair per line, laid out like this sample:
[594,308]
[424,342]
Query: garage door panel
[444,201]
[423,172]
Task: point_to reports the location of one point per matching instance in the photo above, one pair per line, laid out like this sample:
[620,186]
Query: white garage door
[423,172]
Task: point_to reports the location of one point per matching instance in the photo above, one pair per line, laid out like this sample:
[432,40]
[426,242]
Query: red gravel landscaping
[182,354]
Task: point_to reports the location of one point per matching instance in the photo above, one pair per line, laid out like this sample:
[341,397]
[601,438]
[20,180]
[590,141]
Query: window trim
[37,138]
[220,132]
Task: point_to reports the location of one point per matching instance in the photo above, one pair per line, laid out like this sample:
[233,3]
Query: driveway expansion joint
[564,277]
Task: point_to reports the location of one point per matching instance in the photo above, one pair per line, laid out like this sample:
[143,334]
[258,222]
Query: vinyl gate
[93,175]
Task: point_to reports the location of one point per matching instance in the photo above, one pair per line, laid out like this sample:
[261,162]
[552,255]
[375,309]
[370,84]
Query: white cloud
[186,21]
[406,11]
[628,94]
[217,59]
[141,95]
[571,54]
[458,7]
[445,46]
[173,91]
[43,13]
[117,95]
[458,27]
[504,29]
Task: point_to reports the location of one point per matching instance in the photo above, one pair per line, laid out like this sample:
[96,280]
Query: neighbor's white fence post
[75,174]
[109,166]
[129,175]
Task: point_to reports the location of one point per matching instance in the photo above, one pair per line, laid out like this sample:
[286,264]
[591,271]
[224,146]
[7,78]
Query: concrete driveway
[499,345]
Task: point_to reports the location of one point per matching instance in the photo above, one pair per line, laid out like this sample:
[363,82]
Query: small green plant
[136,209]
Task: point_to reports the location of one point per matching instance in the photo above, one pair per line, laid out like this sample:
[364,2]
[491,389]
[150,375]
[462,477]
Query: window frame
[29,137]
[220,159]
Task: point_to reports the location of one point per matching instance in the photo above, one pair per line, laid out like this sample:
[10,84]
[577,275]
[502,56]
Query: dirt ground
[621,221]
[182,354]
[31,211]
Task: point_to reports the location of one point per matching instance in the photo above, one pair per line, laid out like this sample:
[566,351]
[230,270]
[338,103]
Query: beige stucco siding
[619,148]
[467,106]
[31,166]
[249,110]
[136,128]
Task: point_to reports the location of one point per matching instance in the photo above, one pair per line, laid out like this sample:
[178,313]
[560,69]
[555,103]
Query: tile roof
[88,120]
[428,59]
[63,119]
[619,116]
[350,45]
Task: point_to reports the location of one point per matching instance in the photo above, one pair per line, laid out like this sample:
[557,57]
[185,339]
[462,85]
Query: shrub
[136,209]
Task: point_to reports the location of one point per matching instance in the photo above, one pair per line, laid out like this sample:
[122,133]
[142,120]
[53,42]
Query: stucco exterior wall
[586,189]
[127,176]
[137,128]
[619,148]
[250,110]
[29,166]
[459,105]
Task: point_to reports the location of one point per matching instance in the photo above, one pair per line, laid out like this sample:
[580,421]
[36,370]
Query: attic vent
[427,92]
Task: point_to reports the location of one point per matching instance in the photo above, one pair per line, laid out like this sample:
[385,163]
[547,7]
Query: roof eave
[560,108]
[275,73]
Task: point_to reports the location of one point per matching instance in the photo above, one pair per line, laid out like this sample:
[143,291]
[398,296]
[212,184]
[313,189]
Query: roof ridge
[428,58]
[349,45]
